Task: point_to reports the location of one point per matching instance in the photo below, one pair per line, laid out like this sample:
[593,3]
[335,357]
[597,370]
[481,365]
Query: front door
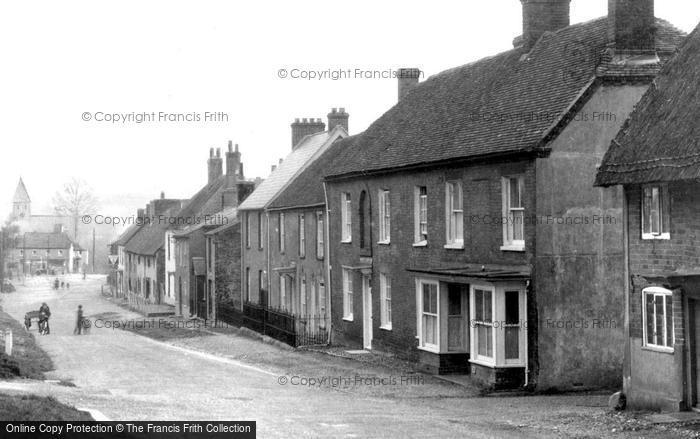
[367,311]
[200,297]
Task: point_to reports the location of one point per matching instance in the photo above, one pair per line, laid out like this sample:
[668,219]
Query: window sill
[420,244]
[431,349]
[348,319]
[652,237]
[346,241]
[512,248]
[454,246]
[386,327]
[659,349]
[484,363]
[384,243]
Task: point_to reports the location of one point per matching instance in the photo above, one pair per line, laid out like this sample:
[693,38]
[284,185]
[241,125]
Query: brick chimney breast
[631,25]
[305,127]
[408,79]
[540,16]
[215,165]
[336,117]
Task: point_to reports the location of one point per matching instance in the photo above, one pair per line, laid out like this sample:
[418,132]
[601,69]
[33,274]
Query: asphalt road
[126,376]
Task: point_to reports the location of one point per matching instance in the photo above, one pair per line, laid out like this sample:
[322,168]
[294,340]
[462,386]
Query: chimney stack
[233,160]
[408,79]
[215,165]
[273,168]
[140,213]
[631,25]
[540,16]
[304,127]
[336,117]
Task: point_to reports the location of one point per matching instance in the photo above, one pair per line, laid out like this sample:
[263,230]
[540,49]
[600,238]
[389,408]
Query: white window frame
[510,213]
[420,217]
[454,215]
[302,235]
[247,229]
[385,301]
[283,292]
[322,299]
[260,231]
[282,233]
[422,344]
[348,295]
[498,319]
[384,217]
[662,211]
[346,217]
[658,292]
[320,241]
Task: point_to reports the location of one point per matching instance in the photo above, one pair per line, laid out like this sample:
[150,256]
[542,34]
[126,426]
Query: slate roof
[205,202]
[290,167]
[51,241]
[21,194]
[219,220]
[661,140]
[307,188]
[500,105]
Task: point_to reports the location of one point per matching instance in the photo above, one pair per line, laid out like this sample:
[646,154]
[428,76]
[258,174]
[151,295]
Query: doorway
[367,311]
[694,351]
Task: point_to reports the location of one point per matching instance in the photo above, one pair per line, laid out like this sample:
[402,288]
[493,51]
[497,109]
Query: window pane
[659,327]
[487,306]
[646,209]
[478,305]
[515,192]
[512,342]
[485,340]
[669,321]
[518,225]
[649,299]
[512,307]
[655,211]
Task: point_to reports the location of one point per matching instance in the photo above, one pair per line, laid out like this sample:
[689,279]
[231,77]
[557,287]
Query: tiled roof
[499,105]
[307,188]
[21,194]
[220,220]
[661,140]
[206,201]
[127,235]
[38,240]
[290,167]
[149,238]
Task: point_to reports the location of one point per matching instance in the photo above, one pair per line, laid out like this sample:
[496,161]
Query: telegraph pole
[93,250]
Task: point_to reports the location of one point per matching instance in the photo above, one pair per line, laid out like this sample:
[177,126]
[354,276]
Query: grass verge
[27,360]
[38,408]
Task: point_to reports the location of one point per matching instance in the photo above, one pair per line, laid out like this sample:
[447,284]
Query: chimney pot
[306,127]
[338,117]
[273,168]
[162,195]
[230,146]
[218,152]
[211,152]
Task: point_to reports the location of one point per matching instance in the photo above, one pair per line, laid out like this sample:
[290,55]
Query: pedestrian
[44,314]
[67,285]
[55,284]
[79,321]
[63,284]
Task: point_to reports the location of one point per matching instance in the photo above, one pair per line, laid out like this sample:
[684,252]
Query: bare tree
[8,232]
[75,200]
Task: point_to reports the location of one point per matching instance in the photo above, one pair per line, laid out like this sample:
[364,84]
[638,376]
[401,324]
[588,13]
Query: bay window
[429,329]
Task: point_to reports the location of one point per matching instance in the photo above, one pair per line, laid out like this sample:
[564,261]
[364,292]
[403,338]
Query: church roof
[21,194]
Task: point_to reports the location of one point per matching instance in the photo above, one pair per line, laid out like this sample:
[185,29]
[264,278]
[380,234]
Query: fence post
[8,342]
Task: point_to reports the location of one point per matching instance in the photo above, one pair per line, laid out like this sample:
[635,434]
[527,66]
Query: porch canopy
[491,273]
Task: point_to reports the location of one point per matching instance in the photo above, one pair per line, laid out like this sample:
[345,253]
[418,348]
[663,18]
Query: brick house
[655,159]
[190,263]
[465,230]
[283,269]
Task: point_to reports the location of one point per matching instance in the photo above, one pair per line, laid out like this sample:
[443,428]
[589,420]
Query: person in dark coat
[79,322]
[44,314]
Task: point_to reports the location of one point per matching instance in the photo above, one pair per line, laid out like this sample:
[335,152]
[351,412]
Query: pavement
[121,375]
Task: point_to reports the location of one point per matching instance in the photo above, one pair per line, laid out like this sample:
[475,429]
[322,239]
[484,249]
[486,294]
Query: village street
[126,376]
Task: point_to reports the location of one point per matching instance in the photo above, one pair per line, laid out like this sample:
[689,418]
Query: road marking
[210,357]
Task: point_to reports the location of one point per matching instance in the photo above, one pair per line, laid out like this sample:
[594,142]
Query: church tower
[21,203]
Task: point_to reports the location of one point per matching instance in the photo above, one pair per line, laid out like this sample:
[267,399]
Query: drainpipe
[327,262]
[627,360]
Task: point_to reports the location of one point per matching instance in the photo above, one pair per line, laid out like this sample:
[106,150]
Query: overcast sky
[62,59]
